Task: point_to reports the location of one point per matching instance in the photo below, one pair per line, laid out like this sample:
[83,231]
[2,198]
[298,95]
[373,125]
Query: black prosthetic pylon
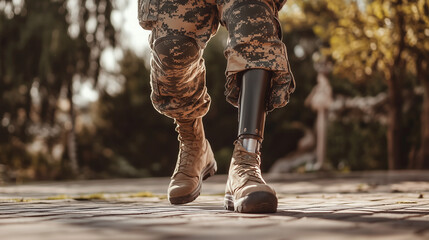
[254,88]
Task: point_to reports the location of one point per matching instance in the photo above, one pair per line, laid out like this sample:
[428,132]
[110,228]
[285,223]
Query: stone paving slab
[324,209]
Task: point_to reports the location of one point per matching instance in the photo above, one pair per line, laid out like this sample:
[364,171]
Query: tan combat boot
[246,190]
[194,164]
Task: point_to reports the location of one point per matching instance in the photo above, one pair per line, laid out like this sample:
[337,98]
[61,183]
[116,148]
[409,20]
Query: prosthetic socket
[254,89]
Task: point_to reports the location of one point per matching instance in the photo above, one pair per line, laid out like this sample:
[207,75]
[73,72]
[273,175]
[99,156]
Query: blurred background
[74,91]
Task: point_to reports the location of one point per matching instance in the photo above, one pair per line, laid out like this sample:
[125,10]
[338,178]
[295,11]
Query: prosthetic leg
[254,88]
[246,190]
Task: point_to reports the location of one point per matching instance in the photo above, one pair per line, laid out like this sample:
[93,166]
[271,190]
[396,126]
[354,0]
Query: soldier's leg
[259,80]
[178,72]
[180,32]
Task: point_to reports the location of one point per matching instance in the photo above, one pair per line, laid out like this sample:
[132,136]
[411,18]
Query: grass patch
[95,196]
[141,195]
[19,200]
[58,197]
[406,202]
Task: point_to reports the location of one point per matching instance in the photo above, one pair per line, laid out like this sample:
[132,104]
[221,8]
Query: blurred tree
[418,46]
[46,46]
[376,39]
[365,40]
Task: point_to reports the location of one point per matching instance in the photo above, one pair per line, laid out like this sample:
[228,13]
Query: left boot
[246,190]
[195,162]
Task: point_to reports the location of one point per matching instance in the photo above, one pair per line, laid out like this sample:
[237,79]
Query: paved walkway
[376,205]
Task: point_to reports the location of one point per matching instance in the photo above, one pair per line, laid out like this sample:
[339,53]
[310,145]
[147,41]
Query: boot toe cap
[183,191]
[257,202]
[181,187]
[250,188]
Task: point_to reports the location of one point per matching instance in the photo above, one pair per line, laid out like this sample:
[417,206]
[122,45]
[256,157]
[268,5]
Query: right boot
[246,190]
[195,162]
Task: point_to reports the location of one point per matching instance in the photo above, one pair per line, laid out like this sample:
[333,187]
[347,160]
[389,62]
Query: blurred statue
[320,99]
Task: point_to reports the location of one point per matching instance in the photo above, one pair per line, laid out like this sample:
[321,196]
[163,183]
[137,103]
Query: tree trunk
[396,159]
[71,136]
[423,160]
[394,133]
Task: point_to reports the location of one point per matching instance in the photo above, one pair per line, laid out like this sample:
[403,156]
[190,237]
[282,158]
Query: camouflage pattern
[255,42]
[180,32]
[147,13]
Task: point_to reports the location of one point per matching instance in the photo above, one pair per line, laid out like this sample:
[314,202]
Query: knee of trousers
[176,51]
[252,22]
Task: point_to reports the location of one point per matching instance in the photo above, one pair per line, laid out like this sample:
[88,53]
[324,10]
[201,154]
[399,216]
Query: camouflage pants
[180,32]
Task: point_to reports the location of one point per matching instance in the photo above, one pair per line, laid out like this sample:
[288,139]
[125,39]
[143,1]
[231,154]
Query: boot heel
[210,171]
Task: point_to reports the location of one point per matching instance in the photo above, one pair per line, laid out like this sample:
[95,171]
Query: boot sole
[255,202]
[207,172]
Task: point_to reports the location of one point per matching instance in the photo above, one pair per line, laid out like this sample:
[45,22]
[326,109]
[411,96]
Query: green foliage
[375,46]
[45,47]
[356,145]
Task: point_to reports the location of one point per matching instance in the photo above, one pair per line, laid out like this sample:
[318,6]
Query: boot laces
[189,146]
[248,166]
[188,152]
